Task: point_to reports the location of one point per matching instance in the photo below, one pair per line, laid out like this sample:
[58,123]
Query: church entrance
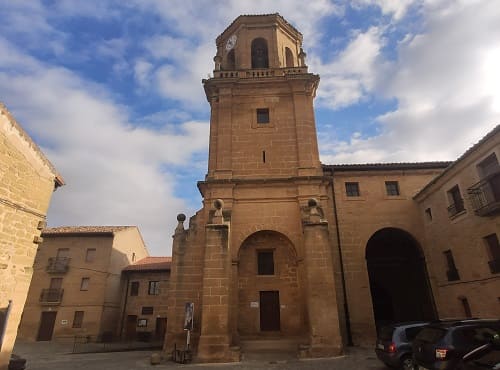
[398,278]
[270,299]
[269,311]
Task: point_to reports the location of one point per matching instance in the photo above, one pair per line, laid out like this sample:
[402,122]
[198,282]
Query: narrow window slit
[263,156]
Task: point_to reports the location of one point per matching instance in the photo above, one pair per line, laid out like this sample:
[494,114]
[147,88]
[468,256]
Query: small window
[133,257]
[452,272]
[493,252]
[142,323]
[90,256]
[456,201]
[352,189]
[84,285]
[428,213]
[62,252]
[466,306]
[262,115]
[78,319]
[147,310]
[134,288]
[392,187]
[154,288]
[265,262]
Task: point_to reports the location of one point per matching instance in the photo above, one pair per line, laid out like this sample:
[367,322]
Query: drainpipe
[342,273]
[6,319]
[124,306]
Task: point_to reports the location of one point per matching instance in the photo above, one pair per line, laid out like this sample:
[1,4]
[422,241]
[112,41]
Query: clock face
[231,42]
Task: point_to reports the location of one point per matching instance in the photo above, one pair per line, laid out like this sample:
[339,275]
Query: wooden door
[161,328]
[46,329]
[270,310]
[131,327]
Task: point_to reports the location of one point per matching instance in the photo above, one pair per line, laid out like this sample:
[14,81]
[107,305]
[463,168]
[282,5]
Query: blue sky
[111,91]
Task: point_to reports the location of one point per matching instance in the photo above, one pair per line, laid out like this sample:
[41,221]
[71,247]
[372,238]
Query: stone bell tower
[257,260]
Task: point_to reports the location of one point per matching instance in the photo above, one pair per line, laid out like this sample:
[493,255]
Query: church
[288,248]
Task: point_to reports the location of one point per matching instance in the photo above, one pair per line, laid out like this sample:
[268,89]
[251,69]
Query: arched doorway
[269,295]
[398,278]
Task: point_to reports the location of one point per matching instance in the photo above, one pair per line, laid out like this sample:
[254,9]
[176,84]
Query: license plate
[380,346]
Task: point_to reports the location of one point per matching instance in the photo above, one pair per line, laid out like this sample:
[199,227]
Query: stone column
[324,328]
[215,339]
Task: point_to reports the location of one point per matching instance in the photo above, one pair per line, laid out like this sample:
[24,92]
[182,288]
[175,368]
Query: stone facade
[145,299]
[77,287]
[27,181]
[465,229]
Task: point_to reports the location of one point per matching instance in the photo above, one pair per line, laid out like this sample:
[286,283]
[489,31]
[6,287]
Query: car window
[411,333]
[386,333]
[431,335]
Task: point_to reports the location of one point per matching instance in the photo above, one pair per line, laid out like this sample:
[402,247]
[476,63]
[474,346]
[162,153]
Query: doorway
[46,329]
[398,278]
[131,327]
[161,328]
[269,310]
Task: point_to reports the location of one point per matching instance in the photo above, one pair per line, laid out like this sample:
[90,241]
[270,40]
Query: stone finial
[218,61]
[218,218]
[302,58]
[181,217]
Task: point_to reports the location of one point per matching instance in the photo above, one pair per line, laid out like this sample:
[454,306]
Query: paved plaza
[54,356]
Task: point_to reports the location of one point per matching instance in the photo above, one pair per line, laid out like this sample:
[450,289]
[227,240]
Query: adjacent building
[78,284]
[145,299]
[27,181]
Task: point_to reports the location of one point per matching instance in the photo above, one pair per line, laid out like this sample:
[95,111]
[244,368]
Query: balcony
[51,296]
[452,275]
[455,208]
[257,73]
[58,265]
[494,266]
[485,195]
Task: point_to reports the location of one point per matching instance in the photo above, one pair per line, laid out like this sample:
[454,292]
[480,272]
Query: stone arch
[283,281]
[398,277]
[260,55]
[288,57]
[231,61]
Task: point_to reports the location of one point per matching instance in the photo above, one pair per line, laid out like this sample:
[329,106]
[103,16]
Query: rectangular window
[62,252]
[142,323]
[352,189]
[90,256]
[265,262]
[428,213]
[392,187]
[452,272]
[134,288]
[147,310]
[262,115]
[494,252]
[84,285]
[78,319]
[154,288]
[488,166]
[456,201]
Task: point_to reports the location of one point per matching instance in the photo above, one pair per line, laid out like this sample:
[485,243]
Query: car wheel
[407,363]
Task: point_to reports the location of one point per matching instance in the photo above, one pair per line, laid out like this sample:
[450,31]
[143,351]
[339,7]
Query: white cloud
[396,8]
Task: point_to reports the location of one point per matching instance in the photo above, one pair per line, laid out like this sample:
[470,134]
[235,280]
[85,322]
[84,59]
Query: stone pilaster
[324,328]
[215,339]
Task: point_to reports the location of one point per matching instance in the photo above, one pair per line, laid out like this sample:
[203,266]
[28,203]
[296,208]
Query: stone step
[270,345]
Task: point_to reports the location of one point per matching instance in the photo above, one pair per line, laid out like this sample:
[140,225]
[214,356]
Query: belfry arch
[269,294]
[399,283]
[260,54]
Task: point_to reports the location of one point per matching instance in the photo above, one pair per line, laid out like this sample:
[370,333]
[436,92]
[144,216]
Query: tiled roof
[387,166]
[58,178]
[150,264]
[68,230]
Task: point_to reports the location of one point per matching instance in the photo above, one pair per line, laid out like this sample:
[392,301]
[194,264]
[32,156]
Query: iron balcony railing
[58,264]
[452,275]
[456,207]
[494,266]
[485,195]
[51,296]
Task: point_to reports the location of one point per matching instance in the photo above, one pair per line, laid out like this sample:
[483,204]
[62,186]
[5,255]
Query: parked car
[483,357]
[394,341]
[441,346]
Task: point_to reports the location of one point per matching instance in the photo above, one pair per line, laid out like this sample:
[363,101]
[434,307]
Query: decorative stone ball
[312,202]
[218,203]
[181,217]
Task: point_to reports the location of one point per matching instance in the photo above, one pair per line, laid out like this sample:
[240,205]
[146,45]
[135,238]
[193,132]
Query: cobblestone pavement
[53,356]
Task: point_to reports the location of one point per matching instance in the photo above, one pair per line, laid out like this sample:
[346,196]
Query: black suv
[441,346]
[393,346]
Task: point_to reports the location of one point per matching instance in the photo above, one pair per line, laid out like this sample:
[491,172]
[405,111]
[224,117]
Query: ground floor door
[269,310]
[46,329]
[131,327]
[161,328]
